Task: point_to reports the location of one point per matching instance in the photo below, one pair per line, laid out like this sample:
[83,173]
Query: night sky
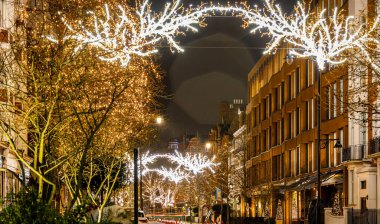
[213,68]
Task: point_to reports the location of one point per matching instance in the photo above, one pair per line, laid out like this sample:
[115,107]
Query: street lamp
[135,186]
[159,120]
[208,146]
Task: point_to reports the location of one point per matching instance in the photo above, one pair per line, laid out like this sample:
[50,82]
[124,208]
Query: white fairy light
[156,191]
[175,175]
[167,196]
[323,39]
[137,32]
[196,163]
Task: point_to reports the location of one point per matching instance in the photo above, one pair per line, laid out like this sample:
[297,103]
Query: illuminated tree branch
[123,34]
[174,175]
[312,36]
[197,163]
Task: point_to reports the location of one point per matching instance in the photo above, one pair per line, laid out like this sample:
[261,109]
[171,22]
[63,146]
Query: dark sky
[213,68]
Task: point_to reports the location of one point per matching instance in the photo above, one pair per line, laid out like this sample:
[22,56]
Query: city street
[182,112]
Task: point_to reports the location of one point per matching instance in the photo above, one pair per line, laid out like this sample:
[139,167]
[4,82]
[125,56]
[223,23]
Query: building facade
[237,172]
[11,170]
[282,137]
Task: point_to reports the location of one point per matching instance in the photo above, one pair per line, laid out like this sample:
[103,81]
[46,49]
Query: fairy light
[196,163]
[186,165]
[129,32]
[323,39]
[156,191]
[174,175]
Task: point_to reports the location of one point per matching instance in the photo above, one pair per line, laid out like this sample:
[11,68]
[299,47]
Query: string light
[324,40]
[174,175]
[131,32]
[196,163]
[157,192]
[186,165]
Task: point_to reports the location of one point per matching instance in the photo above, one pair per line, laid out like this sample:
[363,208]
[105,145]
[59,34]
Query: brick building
[282,137]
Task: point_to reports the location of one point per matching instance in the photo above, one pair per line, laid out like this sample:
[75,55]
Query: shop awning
[328,178]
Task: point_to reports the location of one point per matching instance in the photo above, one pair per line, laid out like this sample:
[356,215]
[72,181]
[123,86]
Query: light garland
[120,36]
[174,175]
[155,191]
[129,33]
[186,165]
[324,40]
[196,163]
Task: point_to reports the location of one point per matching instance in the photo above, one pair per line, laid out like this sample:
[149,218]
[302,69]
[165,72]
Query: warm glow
[208,145]
[159,120]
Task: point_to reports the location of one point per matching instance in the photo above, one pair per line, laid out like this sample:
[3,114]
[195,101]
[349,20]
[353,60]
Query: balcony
[374,146]
[354,153]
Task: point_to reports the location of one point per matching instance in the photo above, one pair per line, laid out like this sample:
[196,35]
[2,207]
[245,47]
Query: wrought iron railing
[354,152]
[365,216]
[374,145]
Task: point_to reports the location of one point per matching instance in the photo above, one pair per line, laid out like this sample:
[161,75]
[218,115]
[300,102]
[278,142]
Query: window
[2,13]
[264,140]
[293,162]
[298,122]
[298,81]
[330,7]
[308,159]
[276,99]
[269,105]
[277,135]
[259,144]
[282,130]
[327,103]
[259,112]
[312,68]
[363,130]
[290,129]
[282,95]
[313,113]
[290,88]
[289,162]
[341,136]
[298,160]
[341,96]
[363,184]
[307,126]
[307,73]
[265,108]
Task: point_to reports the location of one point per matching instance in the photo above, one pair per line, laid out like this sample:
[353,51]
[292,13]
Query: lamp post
[135,185]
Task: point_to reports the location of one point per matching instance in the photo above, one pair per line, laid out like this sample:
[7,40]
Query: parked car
[119,214]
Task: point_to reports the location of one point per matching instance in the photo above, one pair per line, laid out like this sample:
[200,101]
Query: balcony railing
[354,152]
[374,145]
